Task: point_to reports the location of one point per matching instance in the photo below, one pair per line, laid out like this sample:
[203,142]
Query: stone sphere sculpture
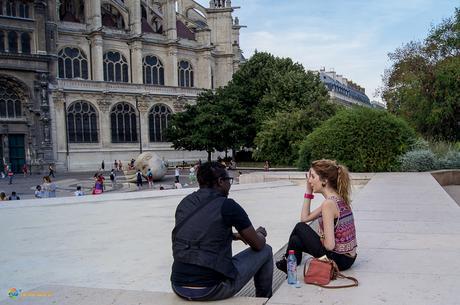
[145,161]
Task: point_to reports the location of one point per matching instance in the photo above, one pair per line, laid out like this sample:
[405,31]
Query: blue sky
[353,37]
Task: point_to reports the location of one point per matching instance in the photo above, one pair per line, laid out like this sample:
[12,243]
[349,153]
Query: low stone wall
[296,177]
[447,177]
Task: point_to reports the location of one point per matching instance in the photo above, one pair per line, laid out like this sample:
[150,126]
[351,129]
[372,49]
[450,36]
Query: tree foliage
[423,84]
[266,84]
[280,137]
[231,117]
[212,124]
[365,140]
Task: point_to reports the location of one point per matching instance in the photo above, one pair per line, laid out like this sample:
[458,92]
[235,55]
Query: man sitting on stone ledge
[203,268]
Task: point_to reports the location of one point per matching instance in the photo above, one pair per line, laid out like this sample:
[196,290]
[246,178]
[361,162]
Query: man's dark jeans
[248,263]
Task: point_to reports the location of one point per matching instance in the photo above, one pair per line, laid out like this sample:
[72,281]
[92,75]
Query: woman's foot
[282,265]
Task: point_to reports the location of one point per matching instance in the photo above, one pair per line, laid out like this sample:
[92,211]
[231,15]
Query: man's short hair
[209,172]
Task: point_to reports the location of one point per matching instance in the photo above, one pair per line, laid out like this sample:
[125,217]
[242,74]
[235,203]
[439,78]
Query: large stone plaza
[122,242]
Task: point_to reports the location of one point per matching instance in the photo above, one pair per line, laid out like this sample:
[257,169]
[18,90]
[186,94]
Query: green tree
[210,125]
[266,84]
[280,137]
[363,139]
[423,83]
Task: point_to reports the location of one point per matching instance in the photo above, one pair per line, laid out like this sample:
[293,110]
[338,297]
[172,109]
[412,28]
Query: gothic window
[10,103]
[13,42]
[153,71]
[123,123]
[23,10]
[159,117]
[72,63]
[115,67]
[2,41]
[25,43]
[11,8]
[185,72]
[111,17]
[72,11]
[82,123]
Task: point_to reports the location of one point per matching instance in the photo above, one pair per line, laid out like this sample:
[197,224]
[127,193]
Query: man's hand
[254,238]
[262,231]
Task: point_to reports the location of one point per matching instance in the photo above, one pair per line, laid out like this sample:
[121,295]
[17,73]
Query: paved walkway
[119,241]
[408,233]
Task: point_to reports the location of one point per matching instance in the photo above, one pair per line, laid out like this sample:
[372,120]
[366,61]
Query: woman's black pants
[304,239]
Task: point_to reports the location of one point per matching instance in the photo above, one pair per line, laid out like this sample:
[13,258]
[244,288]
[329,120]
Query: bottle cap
[291,252]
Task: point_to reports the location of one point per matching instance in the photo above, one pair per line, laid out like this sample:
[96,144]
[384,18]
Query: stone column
[204,71]
[135,17]
[136,64]
[97,57]
[171,67]
[104,104]
[40,22]
[169,19]
[59,130]
[93,14]
[143,107]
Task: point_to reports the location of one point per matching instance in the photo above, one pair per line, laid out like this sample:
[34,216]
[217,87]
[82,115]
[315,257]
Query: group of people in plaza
[204,268]
[47,189]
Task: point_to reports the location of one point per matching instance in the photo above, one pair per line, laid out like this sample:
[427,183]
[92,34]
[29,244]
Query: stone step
[71,295]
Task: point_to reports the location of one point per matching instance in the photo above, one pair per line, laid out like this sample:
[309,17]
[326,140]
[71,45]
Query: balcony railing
[122,88]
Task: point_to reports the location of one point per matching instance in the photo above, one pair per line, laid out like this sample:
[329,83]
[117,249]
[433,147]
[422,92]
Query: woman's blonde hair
[337,176]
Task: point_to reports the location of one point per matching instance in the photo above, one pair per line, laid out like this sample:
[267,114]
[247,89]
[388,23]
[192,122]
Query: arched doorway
[14,129]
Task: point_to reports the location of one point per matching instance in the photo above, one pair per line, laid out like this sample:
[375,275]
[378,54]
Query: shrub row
[364,139]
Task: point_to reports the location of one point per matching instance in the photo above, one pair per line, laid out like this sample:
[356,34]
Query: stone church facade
[101,78]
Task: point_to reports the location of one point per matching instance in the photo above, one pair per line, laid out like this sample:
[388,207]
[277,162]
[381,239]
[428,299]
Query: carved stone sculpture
[145,161]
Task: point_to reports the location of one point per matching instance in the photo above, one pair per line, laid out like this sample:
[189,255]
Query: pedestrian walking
[25,169]
[112,178]
[51,171]
[177,174]
[102,165]
[150,178]
[14,196]
[10,176]
[115,165]
[192,176]
[120,165]
[139,179]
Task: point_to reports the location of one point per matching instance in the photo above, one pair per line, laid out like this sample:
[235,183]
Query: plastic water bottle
[292,268]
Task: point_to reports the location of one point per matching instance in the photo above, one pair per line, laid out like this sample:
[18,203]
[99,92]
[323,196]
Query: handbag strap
[341,275]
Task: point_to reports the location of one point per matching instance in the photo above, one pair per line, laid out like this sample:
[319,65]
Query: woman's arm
[306,215]
[328,210]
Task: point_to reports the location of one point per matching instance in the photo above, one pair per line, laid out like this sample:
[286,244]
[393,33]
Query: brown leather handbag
[321,271]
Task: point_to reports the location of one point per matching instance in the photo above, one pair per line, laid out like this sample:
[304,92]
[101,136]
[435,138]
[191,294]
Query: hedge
[364,139]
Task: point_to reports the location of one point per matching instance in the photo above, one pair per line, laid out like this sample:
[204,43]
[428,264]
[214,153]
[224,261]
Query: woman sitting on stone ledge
[336,236]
